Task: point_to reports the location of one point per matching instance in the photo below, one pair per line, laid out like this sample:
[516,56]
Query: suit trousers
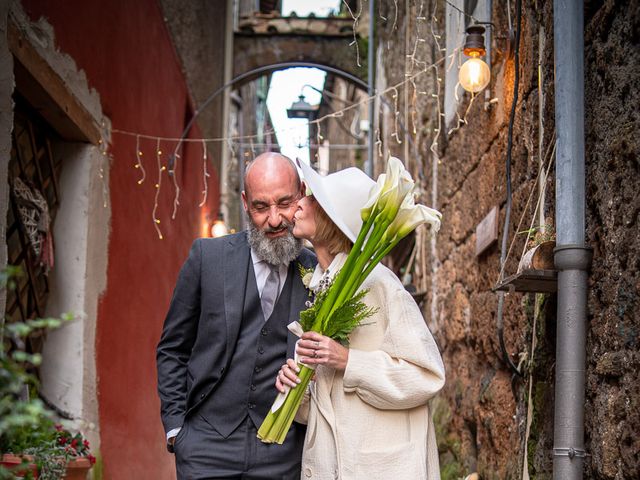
[202,453]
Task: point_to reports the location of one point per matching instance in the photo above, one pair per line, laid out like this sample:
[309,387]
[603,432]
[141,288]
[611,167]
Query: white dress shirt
[262,270]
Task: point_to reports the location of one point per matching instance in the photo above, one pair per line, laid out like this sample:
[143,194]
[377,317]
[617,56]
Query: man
[225,337]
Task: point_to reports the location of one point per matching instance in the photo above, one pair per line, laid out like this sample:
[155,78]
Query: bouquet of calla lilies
[389,215]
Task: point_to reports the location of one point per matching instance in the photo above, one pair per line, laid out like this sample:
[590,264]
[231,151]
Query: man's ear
[244,201]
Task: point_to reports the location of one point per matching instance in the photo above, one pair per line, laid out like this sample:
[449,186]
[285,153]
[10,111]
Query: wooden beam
[47,92]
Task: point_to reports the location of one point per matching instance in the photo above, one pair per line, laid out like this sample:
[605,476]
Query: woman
[366,413]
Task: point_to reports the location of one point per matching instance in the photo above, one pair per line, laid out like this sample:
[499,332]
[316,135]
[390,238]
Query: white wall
[81,239]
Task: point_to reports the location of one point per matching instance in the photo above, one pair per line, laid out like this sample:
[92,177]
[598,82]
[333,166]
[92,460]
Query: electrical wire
[455,7]
[505,230]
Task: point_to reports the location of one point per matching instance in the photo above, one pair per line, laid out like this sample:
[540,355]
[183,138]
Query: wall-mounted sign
[487,231]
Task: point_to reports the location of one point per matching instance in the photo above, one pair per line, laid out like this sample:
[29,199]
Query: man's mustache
[283,225]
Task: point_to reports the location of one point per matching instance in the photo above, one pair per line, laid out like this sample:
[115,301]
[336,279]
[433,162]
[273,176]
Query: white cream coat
[372,421]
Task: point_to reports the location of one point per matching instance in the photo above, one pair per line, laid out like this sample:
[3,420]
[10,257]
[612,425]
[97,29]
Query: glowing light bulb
[474,75]
[219,229]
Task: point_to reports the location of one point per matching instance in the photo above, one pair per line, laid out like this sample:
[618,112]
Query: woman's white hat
[341,195]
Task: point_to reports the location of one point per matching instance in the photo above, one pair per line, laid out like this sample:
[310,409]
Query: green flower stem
[361,263]
[343,276]
[381,254]
[275,426]
[378,256]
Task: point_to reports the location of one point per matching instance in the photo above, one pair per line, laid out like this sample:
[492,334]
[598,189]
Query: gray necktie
[270,291]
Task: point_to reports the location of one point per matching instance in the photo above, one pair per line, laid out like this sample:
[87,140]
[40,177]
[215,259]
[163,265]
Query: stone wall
[612,86]
[488,419]
[201,49]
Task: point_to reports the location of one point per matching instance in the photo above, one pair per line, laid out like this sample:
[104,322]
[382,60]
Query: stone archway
[323,41]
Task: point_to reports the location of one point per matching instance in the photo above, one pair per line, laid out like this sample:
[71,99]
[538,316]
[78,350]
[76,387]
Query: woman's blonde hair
[328,233]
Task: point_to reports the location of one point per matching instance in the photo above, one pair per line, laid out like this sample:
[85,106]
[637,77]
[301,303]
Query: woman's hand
[287,376]
[316,349]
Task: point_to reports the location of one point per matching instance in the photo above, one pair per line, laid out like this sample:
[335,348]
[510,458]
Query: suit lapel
[237,257]
[299,295]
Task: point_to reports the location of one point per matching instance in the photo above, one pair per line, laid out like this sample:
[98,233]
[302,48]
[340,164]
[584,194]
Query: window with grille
[33,166]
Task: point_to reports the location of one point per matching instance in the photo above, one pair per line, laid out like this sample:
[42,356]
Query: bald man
[225,337]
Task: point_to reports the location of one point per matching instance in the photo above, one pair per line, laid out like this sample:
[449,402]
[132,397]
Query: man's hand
[287,376]
[171,439]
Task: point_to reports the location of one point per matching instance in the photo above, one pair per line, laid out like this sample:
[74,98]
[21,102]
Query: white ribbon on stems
[296,329]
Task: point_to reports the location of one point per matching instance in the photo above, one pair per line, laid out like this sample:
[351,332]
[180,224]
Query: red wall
[124,47]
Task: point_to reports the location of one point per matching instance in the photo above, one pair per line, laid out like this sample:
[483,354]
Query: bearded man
[225,337]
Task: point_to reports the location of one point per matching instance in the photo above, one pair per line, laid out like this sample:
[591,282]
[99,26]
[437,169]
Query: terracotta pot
[11,461]
[76,469]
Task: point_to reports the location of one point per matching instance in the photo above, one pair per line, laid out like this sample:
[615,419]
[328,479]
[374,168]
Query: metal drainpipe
[572,257]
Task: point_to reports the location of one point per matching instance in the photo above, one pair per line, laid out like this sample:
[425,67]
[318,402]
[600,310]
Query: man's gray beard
[275,251]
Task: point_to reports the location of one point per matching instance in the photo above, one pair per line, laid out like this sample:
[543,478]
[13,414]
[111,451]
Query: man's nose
[275,218]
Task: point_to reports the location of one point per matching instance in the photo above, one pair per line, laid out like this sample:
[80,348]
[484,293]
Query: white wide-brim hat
[341,195]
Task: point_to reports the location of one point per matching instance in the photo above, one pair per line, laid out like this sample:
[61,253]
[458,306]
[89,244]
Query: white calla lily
[410,216]
[390,190]
[399,186]
[374,196]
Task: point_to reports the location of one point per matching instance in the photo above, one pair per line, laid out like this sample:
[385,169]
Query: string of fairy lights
[356,19]
[416,66]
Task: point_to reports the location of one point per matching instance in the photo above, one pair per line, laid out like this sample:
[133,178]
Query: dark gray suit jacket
[203,321]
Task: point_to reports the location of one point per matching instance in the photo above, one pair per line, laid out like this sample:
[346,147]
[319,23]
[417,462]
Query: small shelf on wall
[537,281]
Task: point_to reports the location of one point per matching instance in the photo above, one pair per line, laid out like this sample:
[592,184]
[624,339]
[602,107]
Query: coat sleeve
[177,339]
[406,370]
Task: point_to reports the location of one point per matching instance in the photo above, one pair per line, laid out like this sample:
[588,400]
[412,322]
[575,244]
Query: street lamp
[301,109]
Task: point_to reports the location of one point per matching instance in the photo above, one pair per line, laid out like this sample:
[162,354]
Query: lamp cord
[505,230]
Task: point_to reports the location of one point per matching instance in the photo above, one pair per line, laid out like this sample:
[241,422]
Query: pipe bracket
[573,257]
[569,452]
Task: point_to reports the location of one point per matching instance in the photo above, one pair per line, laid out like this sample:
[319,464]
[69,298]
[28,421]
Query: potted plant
[46,451]
[32,444]
[541,241]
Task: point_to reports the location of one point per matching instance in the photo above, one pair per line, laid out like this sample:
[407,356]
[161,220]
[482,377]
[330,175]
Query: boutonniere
[305,275]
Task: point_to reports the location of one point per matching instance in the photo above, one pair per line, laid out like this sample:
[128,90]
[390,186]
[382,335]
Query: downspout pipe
[572,256]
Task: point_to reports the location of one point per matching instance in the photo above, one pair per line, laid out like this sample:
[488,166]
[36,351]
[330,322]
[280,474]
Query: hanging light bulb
[219,228]
[474,74]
